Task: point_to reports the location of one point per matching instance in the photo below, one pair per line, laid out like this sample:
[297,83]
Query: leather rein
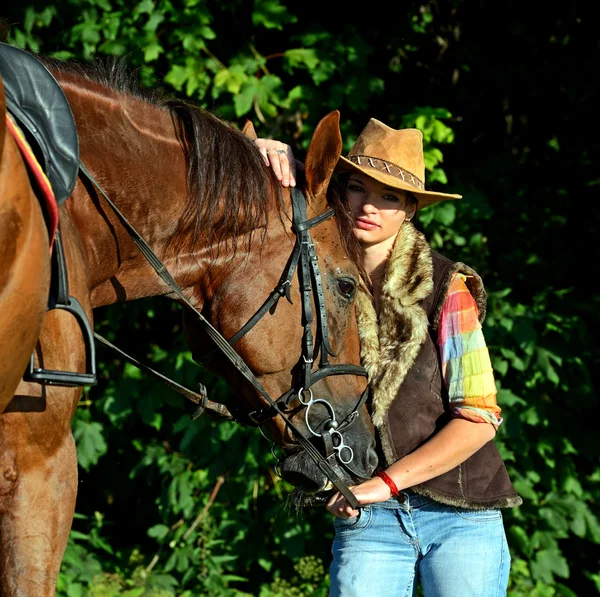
[304,259]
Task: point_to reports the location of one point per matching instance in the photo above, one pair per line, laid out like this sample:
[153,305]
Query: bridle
[304,259]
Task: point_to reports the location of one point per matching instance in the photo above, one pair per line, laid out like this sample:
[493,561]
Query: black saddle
[36,100]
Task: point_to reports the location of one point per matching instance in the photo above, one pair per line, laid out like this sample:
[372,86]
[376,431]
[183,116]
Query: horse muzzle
[300,470]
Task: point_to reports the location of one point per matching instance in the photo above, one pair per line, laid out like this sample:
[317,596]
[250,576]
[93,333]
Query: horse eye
[347,287]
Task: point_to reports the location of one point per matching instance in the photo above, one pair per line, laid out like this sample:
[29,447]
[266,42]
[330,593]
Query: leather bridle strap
[324,466]
[285,282]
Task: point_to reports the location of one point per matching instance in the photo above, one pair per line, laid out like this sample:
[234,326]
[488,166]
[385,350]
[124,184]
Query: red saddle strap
[46,194]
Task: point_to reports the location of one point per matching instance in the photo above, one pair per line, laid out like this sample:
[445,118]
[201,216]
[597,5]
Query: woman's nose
[368,203]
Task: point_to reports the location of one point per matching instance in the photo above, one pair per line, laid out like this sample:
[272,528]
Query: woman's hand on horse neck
[281,158]
[452,445]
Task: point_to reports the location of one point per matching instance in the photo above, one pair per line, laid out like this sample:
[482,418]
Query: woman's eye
[355,188]
[346,287]
[391,198]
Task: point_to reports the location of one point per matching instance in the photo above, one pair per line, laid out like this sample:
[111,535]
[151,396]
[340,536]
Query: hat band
[367,161]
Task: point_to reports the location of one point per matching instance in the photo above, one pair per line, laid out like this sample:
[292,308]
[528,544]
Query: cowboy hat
[394,158]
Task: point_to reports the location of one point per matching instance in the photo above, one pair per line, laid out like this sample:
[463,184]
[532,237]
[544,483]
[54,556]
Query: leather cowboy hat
[394,158]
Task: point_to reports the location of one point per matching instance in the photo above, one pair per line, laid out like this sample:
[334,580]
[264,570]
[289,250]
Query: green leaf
[158,531]
[154,21]
[90,442]
[131,372]
[271,14]
[563,591]
[555,519]
[543,360]
[547,564]
[177,76]
[243,101]
[152,52]
[445,213]
[301,57]
[525,489]
[437,175]
[145,6]
[507,397]
[231,78]
[572,485]
[520,537]
[266,564]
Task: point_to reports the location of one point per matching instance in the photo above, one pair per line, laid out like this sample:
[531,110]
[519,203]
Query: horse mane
[221,161]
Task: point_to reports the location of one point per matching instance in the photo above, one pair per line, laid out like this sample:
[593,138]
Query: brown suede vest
[410,402]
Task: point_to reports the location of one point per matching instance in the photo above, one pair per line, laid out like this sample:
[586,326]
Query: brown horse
[197,190]
[24,265]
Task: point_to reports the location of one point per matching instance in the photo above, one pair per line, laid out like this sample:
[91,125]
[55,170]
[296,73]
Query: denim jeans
[390,547]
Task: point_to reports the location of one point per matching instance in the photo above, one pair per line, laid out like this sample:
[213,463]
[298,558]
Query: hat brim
[426,198]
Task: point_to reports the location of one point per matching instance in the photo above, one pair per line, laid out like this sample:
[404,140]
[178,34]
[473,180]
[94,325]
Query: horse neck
[131,148]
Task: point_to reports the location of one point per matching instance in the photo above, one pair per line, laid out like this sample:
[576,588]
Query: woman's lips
[365,224]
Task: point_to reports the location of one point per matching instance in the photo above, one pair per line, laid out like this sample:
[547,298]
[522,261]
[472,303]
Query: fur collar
[390,345]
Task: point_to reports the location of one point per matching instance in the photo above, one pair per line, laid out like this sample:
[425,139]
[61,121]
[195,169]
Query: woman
[432,514]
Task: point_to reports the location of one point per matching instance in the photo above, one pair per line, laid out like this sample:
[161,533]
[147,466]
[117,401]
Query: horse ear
[249,131]
[322,156]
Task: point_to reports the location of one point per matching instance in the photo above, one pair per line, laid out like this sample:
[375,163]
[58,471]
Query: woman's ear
[410,208]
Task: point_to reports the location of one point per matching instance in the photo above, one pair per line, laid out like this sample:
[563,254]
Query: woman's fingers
[281,158]
[263,147]
[338,506]
[275,160]
[283,164]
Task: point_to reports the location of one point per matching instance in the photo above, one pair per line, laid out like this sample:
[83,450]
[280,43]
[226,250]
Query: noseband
[304,259]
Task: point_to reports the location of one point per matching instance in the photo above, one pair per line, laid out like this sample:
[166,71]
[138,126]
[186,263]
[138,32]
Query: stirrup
[60,299]
[68,379]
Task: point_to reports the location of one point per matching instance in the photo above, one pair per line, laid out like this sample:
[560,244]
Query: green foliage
[500,127]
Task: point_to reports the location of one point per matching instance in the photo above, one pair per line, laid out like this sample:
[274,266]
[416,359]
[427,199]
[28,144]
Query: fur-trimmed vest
[409,398]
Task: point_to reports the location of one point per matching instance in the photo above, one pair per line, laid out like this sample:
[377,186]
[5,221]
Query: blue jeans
[390,547]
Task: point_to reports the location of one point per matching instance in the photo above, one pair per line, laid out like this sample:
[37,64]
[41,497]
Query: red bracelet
[389,482]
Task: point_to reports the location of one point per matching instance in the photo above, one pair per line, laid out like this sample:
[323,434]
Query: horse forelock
[230,192]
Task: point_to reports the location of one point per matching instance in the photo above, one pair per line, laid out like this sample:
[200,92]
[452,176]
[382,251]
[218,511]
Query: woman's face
[378,210]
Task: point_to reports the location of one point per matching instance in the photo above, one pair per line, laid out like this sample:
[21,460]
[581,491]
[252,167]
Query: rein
[304,256]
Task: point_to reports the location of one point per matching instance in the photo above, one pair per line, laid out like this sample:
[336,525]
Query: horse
[24,263]
[195,187]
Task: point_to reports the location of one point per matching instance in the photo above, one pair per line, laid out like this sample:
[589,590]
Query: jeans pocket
[490,515]
[350,526]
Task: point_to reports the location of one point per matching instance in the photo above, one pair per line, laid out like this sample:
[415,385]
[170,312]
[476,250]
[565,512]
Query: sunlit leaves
[301,57]
[271,14]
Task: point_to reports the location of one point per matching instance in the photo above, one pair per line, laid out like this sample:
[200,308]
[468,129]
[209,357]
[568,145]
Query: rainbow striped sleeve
[466,365]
